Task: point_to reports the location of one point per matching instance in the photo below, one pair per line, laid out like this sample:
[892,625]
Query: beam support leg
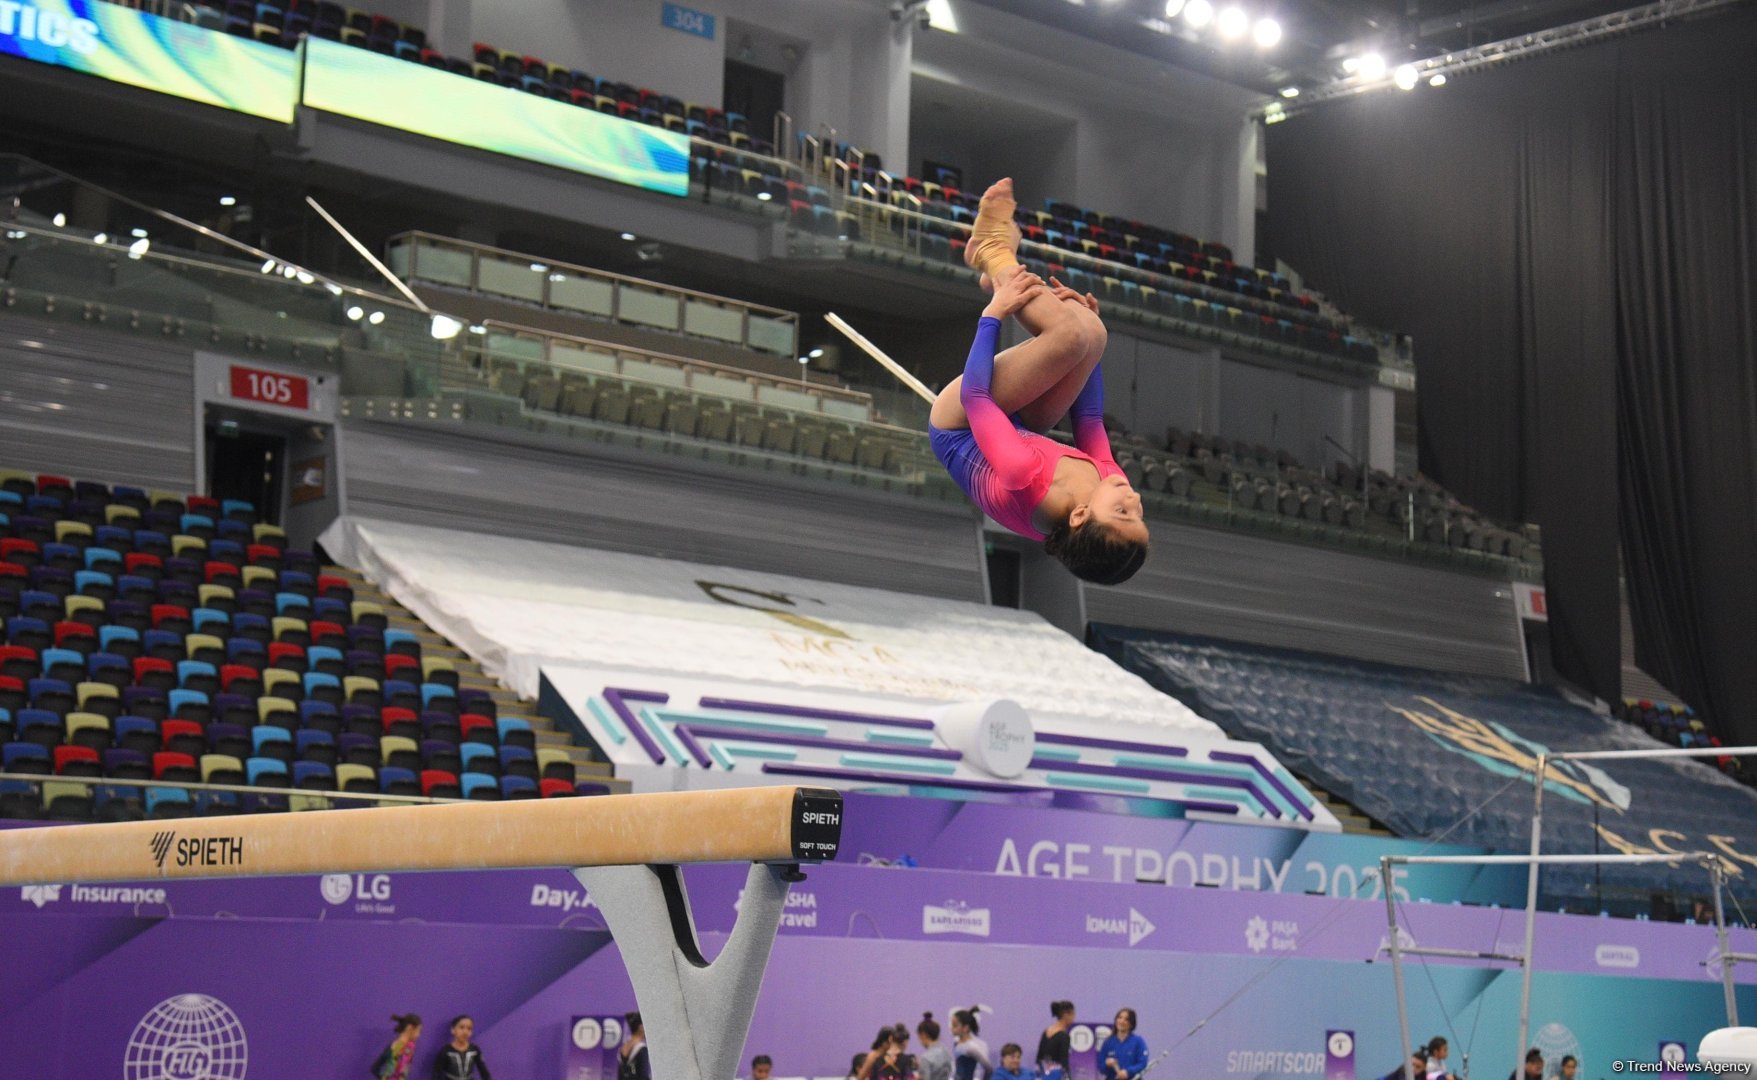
[697,1015]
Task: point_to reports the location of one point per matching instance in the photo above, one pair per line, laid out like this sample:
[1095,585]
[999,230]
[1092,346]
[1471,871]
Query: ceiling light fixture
[1267,33]
[1233,23]
[1198,13]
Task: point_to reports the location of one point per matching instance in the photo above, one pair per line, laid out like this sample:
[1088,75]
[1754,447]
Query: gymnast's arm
[1013,462]
[1088,416]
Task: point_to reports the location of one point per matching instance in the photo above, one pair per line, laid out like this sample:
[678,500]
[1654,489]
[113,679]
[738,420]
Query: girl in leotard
[986,426]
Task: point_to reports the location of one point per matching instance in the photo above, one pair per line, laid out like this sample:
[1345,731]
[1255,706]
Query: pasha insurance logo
[955,917]
[40,895]
[1136,927]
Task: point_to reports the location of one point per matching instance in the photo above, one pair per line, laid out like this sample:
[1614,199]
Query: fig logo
[955,917]
[187,1037]
[1618,956]
[337,888]
[41,894]
[1257,934]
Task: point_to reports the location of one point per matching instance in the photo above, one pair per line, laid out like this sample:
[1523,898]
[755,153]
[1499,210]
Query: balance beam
[756,824]
[625,850]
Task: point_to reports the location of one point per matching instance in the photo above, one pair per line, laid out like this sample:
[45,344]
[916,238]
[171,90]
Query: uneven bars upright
[878,354]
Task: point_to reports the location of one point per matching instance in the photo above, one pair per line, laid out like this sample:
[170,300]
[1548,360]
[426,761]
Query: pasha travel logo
[40,894]
[187,1037]
[1136,927]
[955,917]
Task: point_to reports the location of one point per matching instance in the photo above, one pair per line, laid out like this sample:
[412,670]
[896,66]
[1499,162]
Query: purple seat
[351,746]
[477,701]
[145,701]
[366,639]
[235,709]
[362,720]
[125,764]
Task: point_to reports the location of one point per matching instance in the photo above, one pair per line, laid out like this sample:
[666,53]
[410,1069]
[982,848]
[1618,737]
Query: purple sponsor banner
[1044,842]
[592,1044]
[1338,1055]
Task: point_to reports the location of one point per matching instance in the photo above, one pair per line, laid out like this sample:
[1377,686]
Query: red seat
[137,562]
[215,570]
[166,759]
[469,722]
[552,788]
[46,481]
[231,673]
[8,569]
[328,582]
[22,655]
[431,778]
[65,755]
[396,662]
[393,715]
[146,665]
[262,554]
[279,651]
[12,547]
[170,729]
[66,630]
[323,628]
[164,612]
[202,504]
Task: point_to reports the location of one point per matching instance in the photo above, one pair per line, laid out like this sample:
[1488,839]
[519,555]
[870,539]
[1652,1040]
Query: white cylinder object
[994,736]
[1728,1046]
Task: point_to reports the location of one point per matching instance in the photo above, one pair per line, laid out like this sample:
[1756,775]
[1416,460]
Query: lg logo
[340,888]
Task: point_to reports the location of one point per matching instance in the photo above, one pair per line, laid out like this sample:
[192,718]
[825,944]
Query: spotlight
[60,221]
[1405,77]
[539,268]
[1233,22]
[138,234]
[305,277]
[763,196]
[1290,91]
[334,289]
[815,353]
[1198,13]
[1173,8]
[138,248]
[228,200]
[478,328]
[355,312]
[628,236]
[375,318]
[101,238]
[445,327]
[289,272]
[1372,66]
[1437,80]
[268,267]
[1267,33]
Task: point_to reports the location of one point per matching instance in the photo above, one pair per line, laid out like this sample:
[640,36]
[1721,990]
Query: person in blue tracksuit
[1124,1053]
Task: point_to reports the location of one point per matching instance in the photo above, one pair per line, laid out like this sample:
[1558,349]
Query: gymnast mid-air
[987,425]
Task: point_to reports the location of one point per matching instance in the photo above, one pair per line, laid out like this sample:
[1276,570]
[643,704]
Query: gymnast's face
[1116,506]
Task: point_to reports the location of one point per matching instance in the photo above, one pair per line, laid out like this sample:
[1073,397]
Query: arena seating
[149,636]
[1678,725]
[1420,750]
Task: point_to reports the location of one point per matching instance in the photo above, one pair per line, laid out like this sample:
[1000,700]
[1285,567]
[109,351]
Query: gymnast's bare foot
[994,239]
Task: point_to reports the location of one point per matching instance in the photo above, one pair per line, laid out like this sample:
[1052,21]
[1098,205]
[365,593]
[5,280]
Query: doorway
[246,462]
[756,92]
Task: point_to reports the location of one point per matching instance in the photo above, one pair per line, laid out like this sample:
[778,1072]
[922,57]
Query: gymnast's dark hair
[456,1020]
[929,1027]
[1093,554]
[1057,1008]
[405,1021]
[967,1017]
[631,1021]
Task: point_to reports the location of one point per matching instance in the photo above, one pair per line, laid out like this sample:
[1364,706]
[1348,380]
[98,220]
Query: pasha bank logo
[40,895]
[1136,927]
[1281,935]
[955,917]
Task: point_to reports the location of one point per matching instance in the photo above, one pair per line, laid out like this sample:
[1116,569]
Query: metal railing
[297,798]
[583,290]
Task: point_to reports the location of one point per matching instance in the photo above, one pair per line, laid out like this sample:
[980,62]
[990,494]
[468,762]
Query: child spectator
[1011,1055]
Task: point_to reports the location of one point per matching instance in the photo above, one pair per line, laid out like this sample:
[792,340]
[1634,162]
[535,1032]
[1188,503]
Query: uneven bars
[1666,752]
[360,248]
[878,354]
[758,824]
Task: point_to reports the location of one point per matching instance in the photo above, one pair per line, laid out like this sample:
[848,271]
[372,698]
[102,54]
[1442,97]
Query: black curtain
[1570,240]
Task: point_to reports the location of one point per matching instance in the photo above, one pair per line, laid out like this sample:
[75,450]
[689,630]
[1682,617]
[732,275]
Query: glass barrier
[569,287]
[108,798]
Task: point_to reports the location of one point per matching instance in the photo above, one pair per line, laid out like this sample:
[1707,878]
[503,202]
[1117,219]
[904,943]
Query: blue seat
[435,691]
[292,605]
[475,755]
[168,802]
[92,580]
[136,587]
[149,542]
[264,736]
[315,712]
[22,757]
[190,523]
[226,550]
[65,555]
[250,624]
[211,621]
[113,537]
[397,781]
[330,609]
[394,638]
[297,581]
[194,669]
[159,642]
[307,738]
[513,787]
[246,651]
[520,732]
[47,693]
[123,727]
[322,654]
[60,658]
[22,628]
[313,774]
[107,558]
[229,507]
[275,770]
[99,662]
[518,759]
[194,702]
[479,785]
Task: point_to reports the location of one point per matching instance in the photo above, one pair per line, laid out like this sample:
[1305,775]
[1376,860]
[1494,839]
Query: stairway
[586,764]
[1353,821]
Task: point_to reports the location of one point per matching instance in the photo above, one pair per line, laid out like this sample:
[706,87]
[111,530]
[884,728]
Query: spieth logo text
[955,917]
[200,851]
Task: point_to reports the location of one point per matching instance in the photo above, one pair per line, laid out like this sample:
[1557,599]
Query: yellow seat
[61,789]
[551,755]
[267,707]
[210,593]
[275,678]
[188,547]
[221,763]
[364,610]
[157,496]
[396,744]
[252,576]
[16,475]
[194,643]
[269,534]
[358,684]
[73,605]
[350,772]
[83,721]
[285,624]
[89,691]
[433,665]
[126,517]
[67,531]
